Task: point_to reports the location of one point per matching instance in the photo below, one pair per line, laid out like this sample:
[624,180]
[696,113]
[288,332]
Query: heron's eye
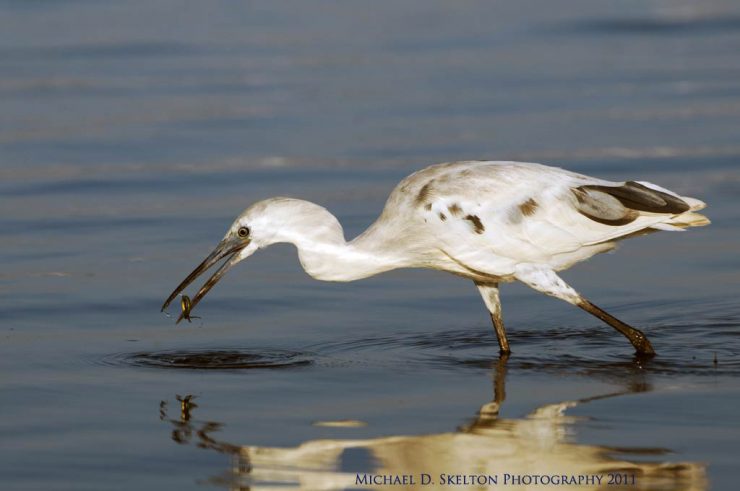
[243,232]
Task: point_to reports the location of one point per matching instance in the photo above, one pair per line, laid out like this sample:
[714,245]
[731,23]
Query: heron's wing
[529,212]
[597,212]
[620,205]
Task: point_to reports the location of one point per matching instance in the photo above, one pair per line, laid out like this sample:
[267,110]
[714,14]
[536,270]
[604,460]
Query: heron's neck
[326,255]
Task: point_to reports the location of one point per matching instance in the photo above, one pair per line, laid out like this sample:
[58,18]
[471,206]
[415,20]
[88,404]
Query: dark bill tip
[223,249]
[210,283]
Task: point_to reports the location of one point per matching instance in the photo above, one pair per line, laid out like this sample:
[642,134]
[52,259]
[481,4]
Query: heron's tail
[686,219]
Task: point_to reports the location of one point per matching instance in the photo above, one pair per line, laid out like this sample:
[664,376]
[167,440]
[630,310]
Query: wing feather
[635,196]
[491,215]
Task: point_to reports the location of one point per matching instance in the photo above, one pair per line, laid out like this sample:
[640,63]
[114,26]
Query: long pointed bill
[220,272]
[227,247]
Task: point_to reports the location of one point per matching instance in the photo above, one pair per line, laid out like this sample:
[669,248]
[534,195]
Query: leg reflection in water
[479,455]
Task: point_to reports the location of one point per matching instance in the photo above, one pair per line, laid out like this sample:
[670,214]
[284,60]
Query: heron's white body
[488,221]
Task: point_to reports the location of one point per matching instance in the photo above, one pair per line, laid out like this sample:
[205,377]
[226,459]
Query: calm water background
[132,133]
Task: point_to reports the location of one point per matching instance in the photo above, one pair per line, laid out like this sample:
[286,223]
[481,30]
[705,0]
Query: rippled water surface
[132,133]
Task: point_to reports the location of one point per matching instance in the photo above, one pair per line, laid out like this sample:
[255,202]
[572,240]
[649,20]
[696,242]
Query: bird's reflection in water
[184,429]
[538,444]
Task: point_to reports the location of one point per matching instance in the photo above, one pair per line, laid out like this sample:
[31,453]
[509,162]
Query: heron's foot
[636,337]
[643,347]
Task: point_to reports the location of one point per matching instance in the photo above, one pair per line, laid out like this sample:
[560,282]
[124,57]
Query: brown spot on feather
[477,224]
[442,217]
[529,207]
[424,193]
[428,206]
[454,209]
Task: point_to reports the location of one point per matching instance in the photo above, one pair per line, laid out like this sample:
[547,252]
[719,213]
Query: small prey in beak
[186,304]
[232,247]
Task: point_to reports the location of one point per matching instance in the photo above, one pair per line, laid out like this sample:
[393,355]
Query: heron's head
[265,222]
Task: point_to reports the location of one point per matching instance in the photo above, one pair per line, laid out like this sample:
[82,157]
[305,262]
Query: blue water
[131,134]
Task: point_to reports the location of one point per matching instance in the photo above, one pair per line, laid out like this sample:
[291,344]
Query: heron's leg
[489,292]
[546,281]
[637,338]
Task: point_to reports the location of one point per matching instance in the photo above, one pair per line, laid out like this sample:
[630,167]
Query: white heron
[491,222]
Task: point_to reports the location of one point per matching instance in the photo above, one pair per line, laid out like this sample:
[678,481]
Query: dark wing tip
[620,205]
[628,218]
[602,207]
[636,196]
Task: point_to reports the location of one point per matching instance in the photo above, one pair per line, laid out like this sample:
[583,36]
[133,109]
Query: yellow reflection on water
[534,452]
